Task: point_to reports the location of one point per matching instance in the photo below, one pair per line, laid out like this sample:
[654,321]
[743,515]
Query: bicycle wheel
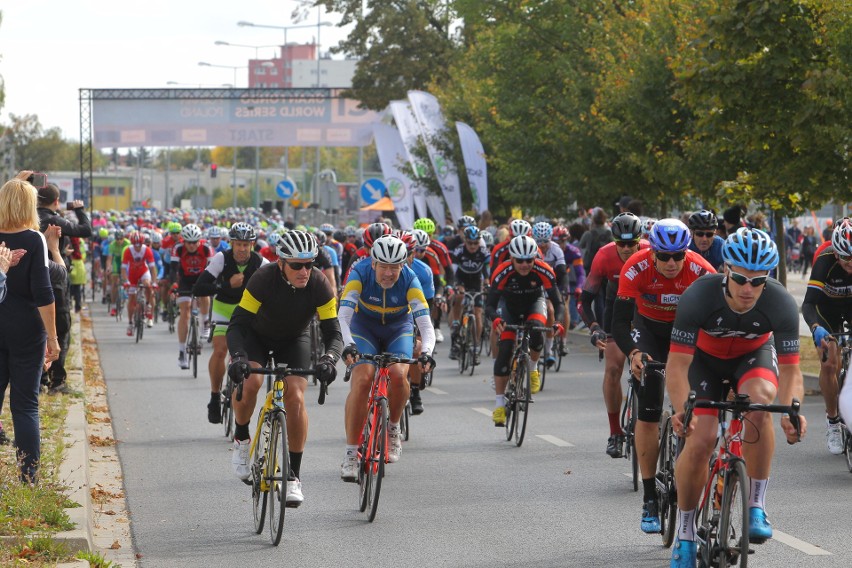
[403,424]
[847,447]
[542,373]
[634,457]
[510,405]
[170,315]
[258,495]
[733,520]
[378,456]
[278,470]
[193,346]
[666,491]
[364,478]
[139,321]
[461,345]
[470,332]
[226,410]
[523,400]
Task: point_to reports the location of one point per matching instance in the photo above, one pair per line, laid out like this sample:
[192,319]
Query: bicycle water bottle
[717,494]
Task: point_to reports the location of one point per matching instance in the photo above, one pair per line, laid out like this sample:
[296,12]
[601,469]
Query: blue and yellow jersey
[366,297]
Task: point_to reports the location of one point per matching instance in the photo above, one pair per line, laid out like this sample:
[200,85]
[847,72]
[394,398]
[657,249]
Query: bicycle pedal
[247,481]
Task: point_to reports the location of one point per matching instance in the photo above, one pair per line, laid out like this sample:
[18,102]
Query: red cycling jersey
[269,253]
[442,252]
[606,266]
[136,262]
[657,296]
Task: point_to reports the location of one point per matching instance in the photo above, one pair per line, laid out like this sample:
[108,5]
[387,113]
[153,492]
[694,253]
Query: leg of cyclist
[502,362]
[354,417]
[414,379]
[455,316]
[131,308]
[203,310]
[650,398]
[216,370]
[549,358]
[613,396]
[537,314]
[477,315]
[149,296]
[184,303]
[828,370]
[243,410]
[399,339]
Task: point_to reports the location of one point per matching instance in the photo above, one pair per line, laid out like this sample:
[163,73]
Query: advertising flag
[391,154]
[474,161]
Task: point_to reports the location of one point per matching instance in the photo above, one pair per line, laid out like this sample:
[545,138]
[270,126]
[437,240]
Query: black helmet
[703,219]
[626,227]
[465,221]
[242,232]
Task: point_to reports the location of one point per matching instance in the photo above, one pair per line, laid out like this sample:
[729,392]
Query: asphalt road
[460,496]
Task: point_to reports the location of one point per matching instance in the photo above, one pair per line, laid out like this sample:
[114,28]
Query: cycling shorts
[222,313]
[372,337]
[295,353]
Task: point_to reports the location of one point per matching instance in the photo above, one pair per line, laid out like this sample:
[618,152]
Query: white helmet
[520,227]
[297,245]
[191,233]
[421,238]
[389,250]
[523,246]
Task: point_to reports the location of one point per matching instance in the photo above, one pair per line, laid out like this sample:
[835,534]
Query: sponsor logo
[669,298]
[704,385]
[683,335]
[696,269]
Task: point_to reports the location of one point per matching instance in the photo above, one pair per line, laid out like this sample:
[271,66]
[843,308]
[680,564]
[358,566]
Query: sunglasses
[666,256]
[843,257]
[626,244]
[297,266]
[471,243]
[704,233]
[742,279]
[524,260]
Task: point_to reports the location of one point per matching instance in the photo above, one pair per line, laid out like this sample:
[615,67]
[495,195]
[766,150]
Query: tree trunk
[782,247]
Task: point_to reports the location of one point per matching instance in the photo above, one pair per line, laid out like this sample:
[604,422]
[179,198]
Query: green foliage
[95,559]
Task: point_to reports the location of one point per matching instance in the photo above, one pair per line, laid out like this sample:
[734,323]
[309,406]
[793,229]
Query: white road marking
[799,545]
[433,390]
[484,411]
[555,441]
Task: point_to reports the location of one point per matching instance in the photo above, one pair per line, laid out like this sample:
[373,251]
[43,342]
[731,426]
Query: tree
[400,45]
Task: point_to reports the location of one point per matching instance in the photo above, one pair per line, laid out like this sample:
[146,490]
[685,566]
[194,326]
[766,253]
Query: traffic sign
[285,189]
[372,190]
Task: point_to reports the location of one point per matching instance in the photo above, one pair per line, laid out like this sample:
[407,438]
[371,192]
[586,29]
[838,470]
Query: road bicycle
[670,446]
[193,338]
[172,310]
[226,410]
[270,458]
[373,441]
[629,414]
[469,344]
[723,514]
[120,298]
[518,395]
[845,346]
[139,313]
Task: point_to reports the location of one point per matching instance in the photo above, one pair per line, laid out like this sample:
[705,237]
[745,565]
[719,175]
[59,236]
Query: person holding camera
[48,214]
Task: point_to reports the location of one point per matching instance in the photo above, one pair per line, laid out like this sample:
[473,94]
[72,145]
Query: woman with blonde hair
[27,320]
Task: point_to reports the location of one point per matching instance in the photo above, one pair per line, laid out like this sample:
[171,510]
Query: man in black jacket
[48,214]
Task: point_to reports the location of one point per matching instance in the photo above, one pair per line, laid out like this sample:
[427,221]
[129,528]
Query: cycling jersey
[828,299]
[606,268]
[424,274]
[221,247]
[472,267]
[186,267]
[158,262]
[216,278]
[520,293]
[499,254]
[713,255]
[135,263]
[116,251]
[574,262]
[442,253]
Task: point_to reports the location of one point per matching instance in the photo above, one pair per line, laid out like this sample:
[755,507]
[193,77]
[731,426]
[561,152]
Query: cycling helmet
[103,232]
[119,234]
[626,227]
[214,233]
[408,238]
[647,225]
[296,245]
[472,233]
[425,224]
[327,228]
[465,221]
[542,232]
[841,237]
[338,236]
[421,238]
[350,231]
[191,233]
[388,249]
[559,232]
[375,231]
[523,246]
[174,227]
[751,249]
[273,239]
[488,238]
[669,235]
[136,238]
[703,219]
[156,238]
[520,227]
[242,232]
[320,237]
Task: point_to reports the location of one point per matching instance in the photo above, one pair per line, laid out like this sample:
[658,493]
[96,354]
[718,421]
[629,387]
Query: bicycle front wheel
[258,494]
[378,455]
[523,400]
[193,348]
[559,346]
[510,406]
[631,439]
[472,348]
[278,470]
[733,521]
[403,424]
[666,491]
[226,409]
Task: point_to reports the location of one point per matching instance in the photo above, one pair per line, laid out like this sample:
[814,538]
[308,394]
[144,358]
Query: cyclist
[371,233]
[116,255]
[226,277]
[605,270]
[517,293]
[437,256]
[374,318]
[273,315]
[188,260]
[214,234]
[416,251]
[270,251]
[455,241]
[649,287]
[740,326]
[471,258]
[702,225]
[553,256]
[500,252]
[138,268]
[827,308]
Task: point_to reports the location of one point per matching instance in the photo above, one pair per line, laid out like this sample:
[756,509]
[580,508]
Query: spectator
[54,377]
[27,320]
[48,214]
[829,229]
[5,264]
[794,231]
[809,246]
[77,276]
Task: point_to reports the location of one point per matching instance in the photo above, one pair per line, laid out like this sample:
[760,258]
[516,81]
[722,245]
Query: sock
[832,419]
[757,493]
[548,344]
[650,488]
[241,432]
[614,424]
[500,401]
[214,397]
[393,426]
[531,365]
[686,525]
[295,463]
[182,347]
[415,392]
[351,451]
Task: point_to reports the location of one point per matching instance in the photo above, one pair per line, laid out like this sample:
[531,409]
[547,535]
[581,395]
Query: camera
[69,206]
[37,180]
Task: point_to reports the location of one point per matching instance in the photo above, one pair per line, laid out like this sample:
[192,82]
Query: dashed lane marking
[433,390]
[484,411]
[555,441]
[800,545]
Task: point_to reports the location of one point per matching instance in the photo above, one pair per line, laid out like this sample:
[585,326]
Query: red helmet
[375,231]
[136,238]
[559,231]
[408,238]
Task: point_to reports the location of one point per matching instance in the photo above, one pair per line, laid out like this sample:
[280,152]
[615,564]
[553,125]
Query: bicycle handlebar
[742,404]
[527,327]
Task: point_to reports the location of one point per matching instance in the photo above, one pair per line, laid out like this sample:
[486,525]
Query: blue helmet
[751,249]
[471,233]
[542,232]
[669,235]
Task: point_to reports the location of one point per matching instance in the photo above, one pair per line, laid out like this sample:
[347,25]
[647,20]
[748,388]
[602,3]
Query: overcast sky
[52,48]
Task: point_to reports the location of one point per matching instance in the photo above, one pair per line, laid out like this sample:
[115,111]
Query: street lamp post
[285,28]
[255,47]
[234,67]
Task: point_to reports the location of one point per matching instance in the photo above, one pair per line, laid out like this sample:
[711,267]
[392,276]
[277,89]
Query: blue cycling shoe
[684,553]
[759,528]
[650,517]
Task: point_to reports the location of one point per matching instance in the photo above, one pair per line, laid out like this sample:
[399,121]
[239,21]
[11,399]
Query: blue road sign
[372,190]
[285,189]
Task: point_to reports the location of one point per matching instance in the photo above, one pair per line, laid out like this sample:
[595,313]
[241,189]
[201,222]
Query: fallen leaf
[567,472]
[115,546]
